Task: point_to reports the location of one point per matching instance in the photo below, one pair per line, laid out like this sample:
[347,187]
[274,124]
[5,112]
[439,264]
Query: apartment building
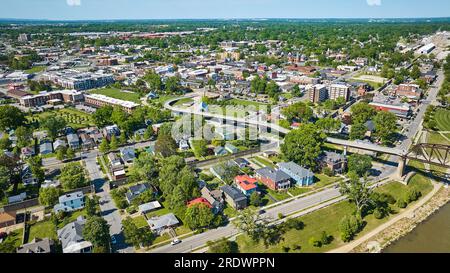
[338,91]
[43,98]
[72,79]
[97,101]
[317,93]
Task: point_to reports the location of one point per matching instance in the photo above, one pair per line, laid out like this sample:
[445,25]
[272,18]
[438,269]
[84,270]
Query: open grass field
[35,69]
[328,220]
[74,118]
[442,117]
[117,94]
[140,221]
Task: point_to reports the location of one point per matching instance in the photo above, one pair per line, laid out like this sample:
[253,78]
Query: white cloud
[73,2]
[374,2]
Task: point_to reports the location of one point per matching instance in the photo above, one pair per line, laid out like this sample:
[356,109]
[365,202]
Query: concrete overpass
[403,155]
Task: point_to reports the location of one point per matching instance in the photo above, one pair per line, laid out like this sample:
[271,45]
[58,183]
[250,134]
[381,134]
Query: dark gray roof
[37,246]
[295,169]
[275,175]
[332,157]
[234,193]
[72,232]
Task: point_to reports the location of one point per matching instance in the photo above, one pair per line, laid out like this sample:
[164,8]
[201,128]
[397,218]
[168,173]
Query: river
[431,236]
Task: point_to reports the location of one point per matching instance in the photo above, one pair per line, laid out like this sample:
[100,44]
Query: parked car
[175,241]
[113,240]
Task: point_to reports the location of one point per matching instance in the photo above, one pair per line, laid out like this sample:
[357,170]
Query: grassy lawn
[442,118]
[328,220]
[246,103]
[298,190]
[72,217]
[74,118]
[324,180]
[182,230]
[117,94]
[264,162]
[436,138]
[159,212]
[163,98]
[183,101]
[229,211]
[44,229]
[35,69]
[140,221]
[161,238]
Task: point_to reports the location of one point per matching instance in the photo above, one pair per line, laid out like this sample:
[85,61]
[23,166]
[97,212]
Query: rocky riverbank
[402,227]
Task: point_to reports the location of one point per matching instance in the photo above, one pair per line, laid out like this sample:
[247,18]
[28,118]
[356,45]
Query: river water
[431,236]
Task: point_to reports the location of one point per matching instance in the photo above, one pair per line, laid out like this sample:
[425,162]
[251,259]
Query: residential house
[71,237]
[147,207]
[220,151]
[74,141]
[119,175]
[241,162]
[337,163]
[59,144]
[214,197]
[27,177]
[234,197]
[159,224]
[46,148]
[183,145]
[301,176]
[50,184]
[219,170]
[246,184]
[38,245]
[70,202]
[127,154]
[7,219]
[231,148]
[109,131]
[115,163]
[136,190]
[17,198]
[274,179]
[200,200]
[87,142]
[27,152]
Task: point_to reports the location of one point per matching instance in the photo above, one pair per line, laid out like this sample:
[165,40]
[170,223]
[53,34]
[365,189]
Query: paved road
[108,209]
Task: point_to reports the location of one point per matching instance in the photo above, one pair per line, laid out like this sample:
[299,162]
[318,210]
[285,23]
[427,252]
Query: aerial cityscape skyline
[197,9]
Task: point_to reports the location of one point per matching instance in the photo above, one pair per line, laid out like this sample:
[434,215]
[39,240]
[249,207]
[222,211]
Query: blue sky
[191,9]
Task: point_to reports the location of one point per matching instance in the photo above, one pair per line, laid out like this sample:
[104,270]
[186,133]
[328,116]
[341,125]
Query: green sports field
[442,118]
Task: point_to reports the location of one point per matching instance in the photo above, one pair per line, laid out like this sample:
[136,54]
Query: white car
[175,241]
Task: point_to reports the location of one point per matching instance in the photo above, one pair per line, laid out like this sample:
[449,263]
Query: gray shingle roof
[72,232]
[295,169]
[274,175]
[234,193]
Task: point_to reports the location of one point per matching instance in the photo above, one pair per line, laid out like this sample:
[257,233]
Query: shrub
[327,171]
[349,226]
[280,215]
[412,195]
[378,213]
[401,203]
[314,242]
[131,210]
[325,238]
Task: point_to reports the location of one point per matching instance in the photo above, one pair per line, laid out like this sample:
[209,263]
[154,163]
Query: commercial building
[317,93]
[43,98]
[73,79]
[410,91]
[426,48]
[400,110]
[97,101]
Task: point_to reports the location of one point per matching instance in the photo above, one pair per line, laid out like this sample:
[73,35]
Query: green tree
[113,145]
[49,196]
[5,178]
[70,153]
[149,133]
[415,72]
[298,111]
[165,146]
[198,216]
[104,146]
[134,235]
[11,117]
[385,126]
[358,131]
[362,112]
[61,153]
[5,142]
[303,145]
[255,199]
[200,148]
[144,168]
[360,164]
[358,191]
[123,138]
[96,231]
[328,124]
[222,245]
[349,226]
[37,170]
[72,176]
[102,116]
[53,125]
[91,205]
[24,136]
